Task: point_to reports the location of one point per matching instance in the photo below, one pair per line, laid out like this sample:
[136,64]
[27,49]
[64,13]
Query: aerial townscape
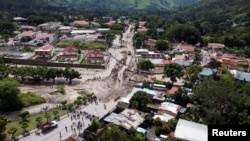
[138,70]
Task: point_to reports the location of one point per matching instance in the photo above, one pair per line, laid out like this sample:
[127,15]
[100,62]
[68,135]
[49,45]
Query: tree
[172,123]
[214,63]
[113,133]
[9,91]
[60,88]
[7,28]
[24,115]
[95,125]
[71,74]
[173,71]
[158,122]
[139,101]
[192,72]
[55,113]
[47,116]
[51,74]
[222,102]
[161,45]
[145,64]
[24,126]
[64,102]
[12,131]
[39,121]
[183,32]
[3,123]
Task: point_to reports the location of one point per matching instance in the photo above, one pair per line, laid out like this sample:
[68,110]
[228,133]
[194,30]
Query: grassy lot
[84,62]
[31,122]
[29,99]
[82,45]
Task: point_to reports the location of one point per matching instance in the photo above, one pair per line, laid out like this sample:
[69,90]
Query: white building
[191,131]
[127,118]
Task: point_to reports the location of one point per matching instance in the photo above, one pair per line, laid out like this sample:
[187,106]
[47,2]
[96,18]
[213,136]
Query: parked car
[48,126]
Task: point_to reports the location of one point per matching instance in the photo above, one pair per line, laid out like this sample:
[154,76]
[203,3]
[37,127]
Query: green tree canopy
[222,102]
[114,133]
[214,63]
[139,101]
[183,32]
[145,64]
[7,28]
[3,123]
[192,72]
[173,71]
[9,91]
[161,45]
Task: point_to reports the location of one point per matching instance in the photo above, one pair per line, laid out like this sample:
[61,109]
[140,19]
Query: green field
[29,99]
[81,45]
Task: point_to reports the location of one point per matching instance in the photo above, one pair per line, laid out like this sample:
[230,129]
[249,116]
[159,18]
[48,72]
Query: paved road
[205,58]
[54,135]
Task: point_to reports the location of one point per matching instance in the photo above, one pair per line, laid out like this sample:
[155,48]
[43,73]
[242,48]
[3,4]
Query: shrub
[159,130]
[29,99]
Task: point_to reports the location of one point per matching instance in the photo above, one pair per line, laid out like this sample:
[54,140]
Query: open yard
[82,45]
[84,62]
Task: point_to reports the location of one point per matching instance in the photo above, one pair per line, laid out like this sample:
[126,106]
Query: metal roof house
[206,72]
[191,131]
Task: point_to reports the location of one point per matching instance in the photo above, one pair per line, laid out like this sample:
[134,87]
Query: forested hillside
[225,21]
[99,5]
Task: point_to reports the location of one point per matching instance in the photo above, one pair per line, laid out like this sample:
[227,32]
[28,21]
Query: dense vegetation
[29,99]
[97,5]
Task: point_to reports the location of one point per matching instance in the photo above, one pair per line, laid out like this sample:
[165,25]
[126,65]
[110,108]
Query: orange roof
[166,62]
[110,22]
[142,29]
[151,42]
[44,35]
[70,49]
[81,22]
[173,90]
[216,45]
[186,47]
[27,33]
[44,48]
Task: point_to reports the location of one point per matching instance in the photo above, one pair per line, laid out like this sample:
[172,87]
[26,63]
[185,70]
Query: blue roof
[184,63]
[244,75]
[207,72]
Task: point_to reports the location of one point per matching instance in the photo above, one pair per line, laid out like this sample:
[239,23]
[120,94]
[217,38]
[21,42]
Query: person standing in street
[66,128]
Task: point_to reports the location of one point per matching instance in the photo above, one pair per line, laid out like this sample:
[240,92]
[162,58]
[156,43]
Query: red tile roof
[70,49]
[27,33]
[83,23]
[166,62]
[94,51]
[151,42]
[44,35]
[186,47]
[161,112]
[216,45]
[44,48]
[173,90]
